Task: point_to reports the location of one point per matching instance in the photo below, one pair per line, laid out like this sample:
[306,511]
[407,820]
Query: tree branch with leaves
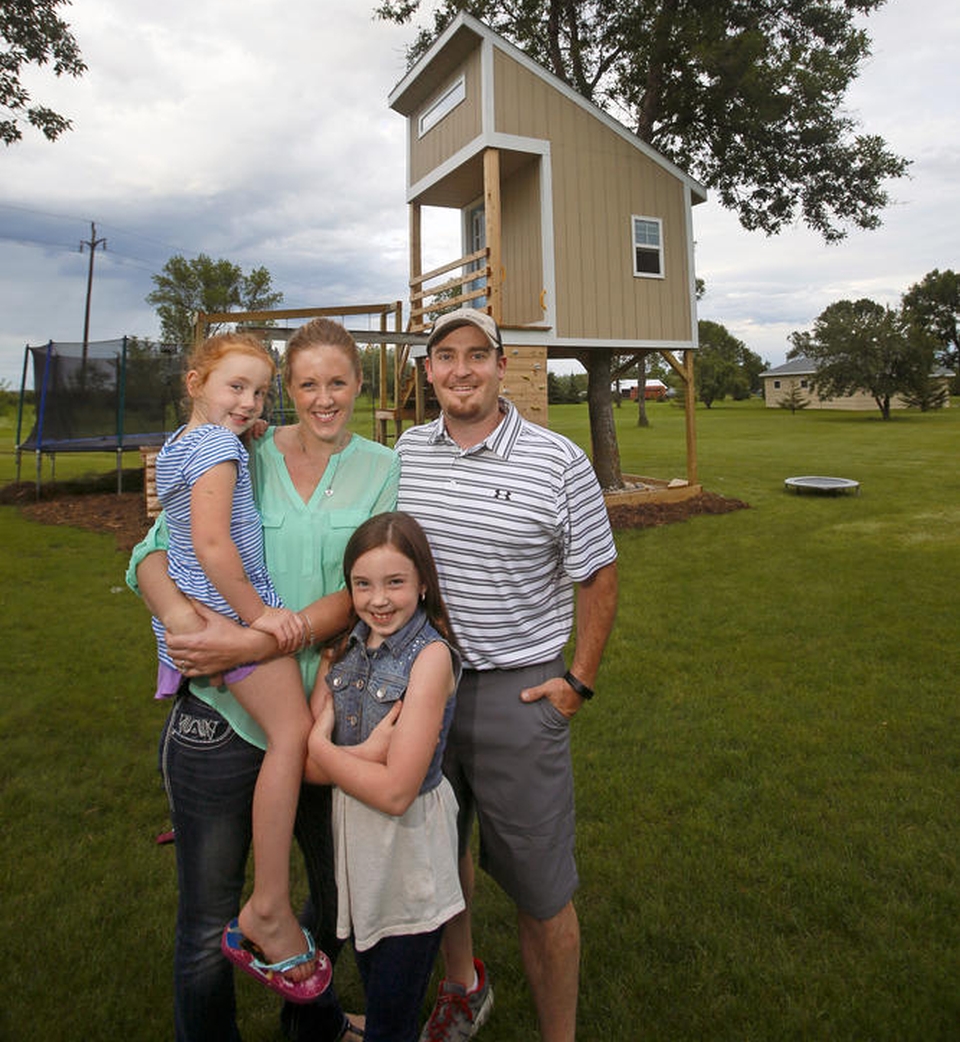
[745,95]
[860,345]
[185,287]
[32,33]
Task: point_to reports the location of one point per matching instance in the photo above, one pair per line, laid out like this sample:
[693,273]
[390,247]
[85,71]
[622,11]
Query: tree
[794,400]
[933,304]
[864,346]
[565,389]
[185,287]
[926,394]
[724,364]
[746,95]
[31,33]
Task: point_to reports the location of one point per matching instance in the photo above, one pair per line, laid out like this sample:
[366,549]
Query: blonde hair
[321,332]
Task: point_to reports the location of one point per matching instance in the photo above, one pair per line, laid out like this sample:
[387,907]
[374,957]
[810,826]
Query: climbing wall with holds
[525,381]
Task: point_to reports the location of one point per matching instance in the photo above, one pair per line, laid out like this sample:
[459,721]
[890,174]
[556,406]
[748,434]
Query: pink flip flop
[246,956]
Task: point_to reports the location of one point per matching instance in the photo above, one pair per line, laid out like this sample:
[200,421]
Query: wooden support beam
[690,409]
[491,217]
[204,318]
[684,370]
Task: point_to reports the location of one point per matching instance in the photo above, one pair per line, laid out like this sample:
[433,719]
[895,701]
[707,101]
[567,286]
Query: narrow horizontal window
[647,247]
[442,106]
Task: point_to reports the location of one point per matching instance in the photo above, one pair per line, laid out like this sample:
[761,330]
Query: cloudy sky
[259,131]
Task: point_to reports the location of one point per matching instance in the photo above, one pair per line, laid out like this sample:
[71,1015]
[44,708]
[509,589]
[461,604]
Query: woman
[314,483]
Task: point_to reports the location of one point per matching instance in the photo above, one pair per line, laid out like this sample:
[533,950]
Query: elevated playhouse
[576,235]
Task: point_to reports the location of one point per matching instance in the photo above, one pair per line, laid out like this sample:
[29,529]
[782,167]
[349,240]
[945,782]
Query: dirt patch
[125,515]
[649,515]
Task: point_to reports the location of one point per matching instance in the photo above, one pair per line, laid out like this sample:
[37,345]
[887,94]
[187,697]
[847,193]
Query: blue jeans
[395,974]
[209,773]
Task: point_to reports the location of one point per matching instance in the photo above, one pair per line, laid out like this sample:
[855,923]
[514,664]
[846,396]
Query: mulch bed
[125,515]
[650,515]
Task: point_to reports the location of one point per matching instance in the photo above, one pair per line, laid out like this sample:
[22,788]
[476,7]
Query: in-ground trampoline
[815,483]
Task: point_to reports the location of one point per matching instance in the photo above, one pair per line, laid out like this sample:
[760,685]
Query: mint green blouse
[304,542]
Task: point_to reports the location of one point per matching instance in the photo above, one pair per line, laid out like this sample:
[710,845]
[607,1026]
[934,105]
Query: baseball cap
[466,317]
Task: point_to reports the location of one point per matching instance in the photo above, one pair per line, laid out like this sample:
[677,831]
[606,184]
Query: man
[516,522]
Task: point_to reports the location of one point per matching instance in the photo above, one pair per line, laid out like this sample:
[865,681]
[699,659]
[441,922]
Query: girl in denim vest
[394,822]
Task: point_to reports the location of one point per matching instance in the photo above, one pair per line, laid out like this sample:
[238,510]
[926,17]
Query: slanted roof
[793,367]
[460,37]
[803,366]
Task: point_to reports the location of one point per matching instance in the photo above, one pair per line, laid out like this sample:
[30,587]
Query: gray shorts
[509,764]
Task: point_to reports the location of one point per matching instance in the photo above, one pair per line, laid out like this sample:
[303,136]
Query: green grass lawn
[767,779]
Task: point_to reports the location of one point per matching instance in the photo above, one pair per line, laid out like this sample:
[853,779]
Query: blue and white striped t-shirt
[181,462]
[513,523]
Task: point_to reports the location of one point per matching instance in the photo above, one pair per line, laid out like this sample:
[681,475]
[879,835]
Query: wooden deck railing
[427,301]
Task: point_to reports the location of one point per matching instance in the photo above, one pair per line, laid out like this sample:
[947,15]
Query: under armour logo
[501,493]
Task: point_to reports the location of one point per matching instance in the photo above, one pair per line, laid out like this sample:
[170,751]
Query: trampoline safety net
[118,394]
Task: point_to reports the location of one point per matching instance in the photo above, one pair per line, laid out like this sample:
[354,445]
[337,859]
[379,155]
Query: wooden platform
[149,457]
[652,490]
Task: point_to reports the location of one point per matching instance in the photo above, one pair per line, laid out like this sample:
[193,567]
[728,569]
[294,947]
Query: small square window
[647,247]
[776,385]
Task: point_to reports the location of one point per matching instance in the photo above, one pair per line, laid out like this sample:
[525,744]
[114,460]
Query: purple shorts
[169,679]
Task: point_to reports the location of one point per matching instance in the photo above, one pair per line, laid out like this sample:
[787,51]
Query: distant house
[655,390]
[798,373]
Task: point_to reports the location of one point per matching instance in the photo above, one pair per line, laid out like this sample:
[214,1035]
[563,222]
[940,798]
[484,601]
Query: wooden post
[685,371]
[416,270]
[491,216]
[416,251]
[690,407]
[199,328]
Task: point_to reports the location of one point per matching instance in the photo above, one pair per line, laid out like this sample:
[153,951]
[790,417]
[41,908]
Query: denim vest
[366,683]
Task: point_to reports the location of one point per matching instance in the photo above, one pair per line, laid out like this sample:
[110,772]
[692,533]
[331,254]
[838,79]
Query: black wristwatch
[578,685]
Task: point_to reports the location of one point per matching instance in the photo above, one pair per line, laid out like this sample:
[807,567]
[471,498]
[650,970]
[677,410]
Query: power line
[117,256]
[115,227]
[23,241]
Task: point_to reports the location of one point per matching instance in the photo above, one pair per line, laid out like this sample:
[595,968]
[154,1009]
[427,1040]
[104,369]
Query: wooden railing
[427,301]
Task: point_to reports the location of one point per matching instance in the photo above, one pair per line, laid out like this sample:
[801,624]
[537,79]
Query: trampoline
[104,396]
[816,483]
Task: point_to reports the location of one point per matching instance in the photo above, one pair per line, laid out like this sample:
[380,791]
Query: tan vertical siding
[456,129]
[599,181]
[522,250]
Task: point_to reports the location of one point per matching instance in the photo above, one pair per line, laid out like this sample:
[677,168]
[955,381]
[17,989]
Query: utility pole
[92,243]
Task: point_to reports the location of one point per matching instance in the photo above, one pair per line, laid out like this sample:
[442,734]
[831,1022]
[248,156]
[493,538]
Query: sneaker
[459,1015]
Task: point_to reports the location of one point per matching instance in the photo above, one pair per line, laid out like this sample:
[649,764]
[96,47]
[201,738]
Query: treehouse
[576,235]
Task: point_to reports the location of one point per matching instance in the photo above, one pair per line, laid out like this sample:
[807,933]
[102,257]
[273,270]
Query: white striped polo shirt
[513,523]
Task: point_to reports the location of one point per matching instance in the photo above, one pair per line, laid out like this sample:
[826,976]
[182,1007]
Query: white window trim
[633,246]
[442,106]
